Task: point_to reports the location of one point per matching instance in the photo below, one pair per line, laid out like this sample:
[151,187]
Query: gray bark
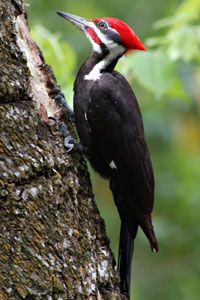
[52,238]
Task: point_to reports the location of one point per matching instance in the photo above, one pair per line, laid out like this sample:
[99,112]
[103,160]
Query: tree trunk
[52,238]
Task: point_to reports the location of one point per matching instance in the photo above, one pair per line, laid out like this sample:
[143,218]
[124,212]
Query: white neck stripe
[115,51]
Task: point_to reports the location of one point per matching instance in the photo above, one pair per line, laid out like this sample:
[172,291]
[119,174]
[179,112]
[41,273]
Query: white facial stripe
[113,30]
[115,50]
[100,34]
[96,47]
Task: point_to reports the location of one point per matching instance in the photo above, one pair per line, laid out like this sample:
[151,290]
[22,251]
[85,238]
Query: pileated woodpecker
[110,127]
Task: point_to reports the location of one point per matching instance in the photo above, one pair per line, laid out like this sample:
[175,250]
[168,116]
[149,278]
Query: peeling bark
[52,238]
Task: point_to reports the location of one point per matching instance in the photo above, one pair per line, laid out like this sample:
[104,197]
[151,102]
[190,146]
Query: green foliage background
[166,81]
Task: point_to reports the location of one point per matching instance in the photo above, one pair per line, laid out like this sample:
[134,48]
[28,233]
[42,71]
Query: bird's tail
[126,242]
[147,227]
[126,245]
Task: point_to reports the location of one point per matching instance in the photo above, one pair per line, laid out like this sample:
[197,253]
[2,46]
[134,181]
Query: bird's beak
[81,23]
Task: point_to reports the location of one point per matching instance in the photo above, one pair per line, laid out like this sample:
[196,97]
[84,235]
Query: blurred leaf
[177,91]
[155,41]
[190,6]
[188,11]
[155,71]
[184,43]
[176,20]
[182,40]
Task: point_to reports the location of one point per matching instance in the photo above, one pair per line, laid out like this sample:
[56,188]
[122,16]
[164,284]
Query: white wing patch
[112,165]
[85,115]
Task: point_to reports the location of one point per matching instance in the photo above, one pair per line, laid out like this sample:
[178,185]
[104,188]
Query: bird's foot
[60,100]
[69,142]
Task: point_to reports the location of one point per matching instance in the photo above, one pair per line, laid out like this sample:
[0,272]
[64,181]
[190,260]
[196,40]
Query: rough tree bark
[52,239]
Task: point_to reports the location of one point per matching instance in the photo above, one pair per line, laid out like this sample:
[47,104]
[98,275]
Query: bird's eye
[102,24]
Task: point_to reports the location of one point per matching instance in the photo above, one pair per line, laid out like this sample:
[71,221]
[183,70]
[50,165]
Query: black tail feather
[147,227]
[126,247]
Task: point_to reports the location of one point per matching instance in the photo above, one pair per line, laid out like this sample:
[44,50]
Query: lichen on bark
[52,238]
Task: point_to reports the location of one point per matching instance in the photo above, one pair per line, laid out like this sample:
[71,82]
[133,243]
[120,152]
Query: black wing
[121,153]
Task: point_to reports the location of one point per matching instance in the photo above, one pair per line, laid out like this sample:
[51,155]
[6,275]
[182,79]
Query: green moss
[21,291]
[57,285]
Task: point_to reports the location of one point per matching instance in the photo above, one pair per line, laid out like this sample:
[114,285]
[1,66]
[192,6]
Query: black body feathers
[110,126]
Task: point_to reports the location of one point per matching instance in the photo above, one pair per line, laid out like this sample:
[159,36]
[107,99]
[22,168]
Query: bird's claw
[60,100]
[69,141]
